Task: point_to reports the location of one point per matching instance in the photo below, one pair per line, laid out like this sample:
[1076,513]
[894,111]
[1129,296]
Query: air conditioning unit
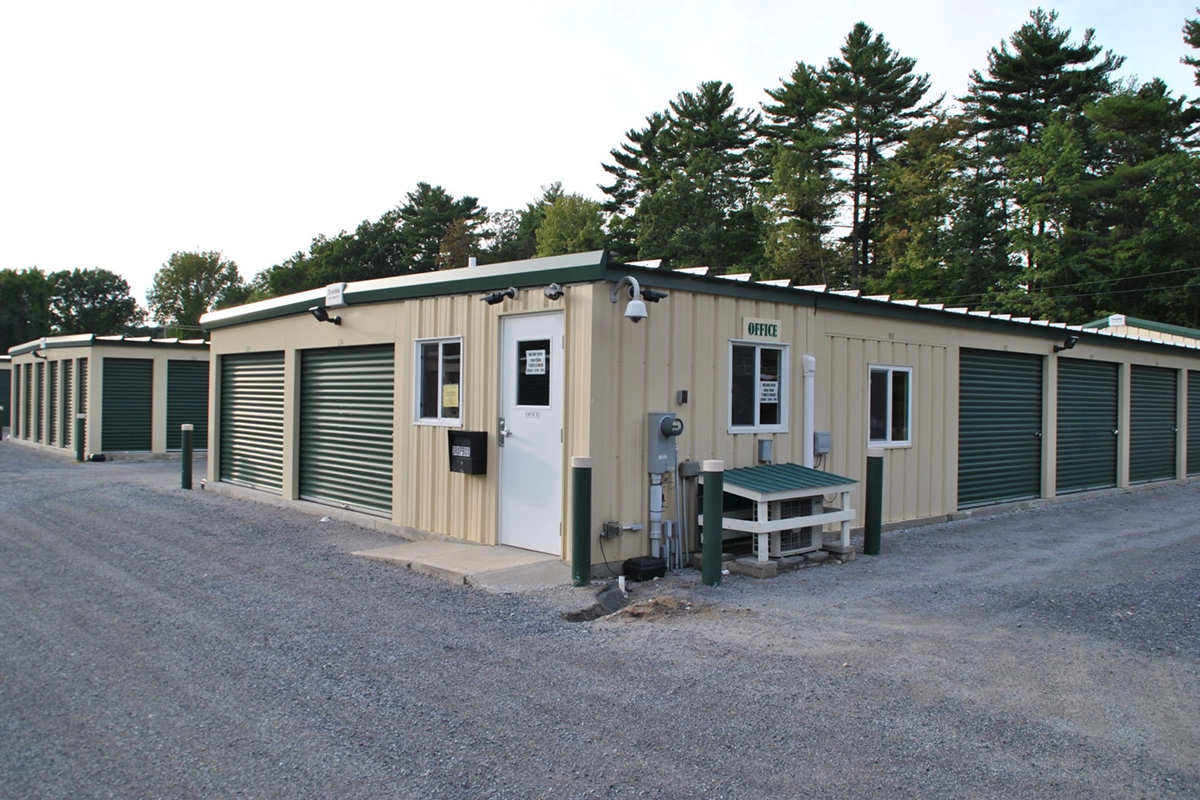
[797,540]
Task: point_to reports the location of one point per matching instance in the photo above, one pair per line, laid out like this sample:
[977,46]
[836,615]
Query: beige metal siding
[426,494]
[915,475]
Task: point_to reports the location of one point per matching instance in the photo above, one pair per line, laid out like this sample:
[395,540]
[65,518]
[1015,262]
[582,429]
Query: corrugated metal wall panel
[914,476]
[347,409]
[251,447]
[127,405]
[68,403]
[1152,421]
[1087,425]
[187,402]
[1193,422]
[1000,426]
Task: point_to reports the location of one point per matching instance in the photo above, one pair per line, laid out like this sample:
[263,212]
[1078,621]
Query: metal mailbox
[468,452]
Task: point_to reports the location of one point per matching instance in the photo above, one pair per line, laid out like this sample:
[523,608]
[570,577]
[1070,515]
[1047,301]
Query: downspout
[810,397]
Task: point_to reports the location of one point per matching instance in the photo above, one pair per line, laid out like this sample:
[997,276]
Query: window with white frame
[890,414]
[438,381]
[758,387]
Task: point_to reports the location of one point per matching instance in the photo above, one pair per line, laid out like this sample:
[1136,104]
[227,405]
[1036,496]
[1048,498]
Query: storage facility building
[134,393]
[453,402]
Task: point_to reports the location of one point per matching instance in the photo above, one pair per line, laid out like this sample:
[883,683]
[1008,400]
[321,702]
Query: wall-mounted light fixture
[321,315]
[41,346]
[498,297]
[636,310]
[553,291]
[1067,344]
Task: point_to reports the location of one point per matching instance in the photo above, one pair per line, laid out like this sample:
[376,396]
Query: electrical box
[822,442]
[660,447]
[644,568]
[468,452]
[766,451]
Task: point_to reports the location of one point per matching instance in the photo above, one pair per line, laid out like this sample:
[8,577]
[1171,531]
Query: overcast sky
[132,130]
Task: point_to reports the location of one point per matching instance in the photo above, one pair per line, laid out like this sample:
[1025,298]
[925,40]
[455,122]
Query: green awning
[762,482]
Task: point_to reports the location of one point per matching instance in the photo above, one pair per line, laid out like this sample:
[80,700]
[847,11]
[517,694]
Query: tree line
[1050,189]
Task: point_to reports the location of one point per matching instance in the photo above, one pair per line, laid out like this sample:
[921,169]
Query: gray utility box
[468,452]
[660,447]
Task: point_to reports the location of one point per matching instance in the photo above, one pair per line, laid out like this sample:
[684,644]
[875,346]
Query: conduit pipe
[656,513]
[810,397]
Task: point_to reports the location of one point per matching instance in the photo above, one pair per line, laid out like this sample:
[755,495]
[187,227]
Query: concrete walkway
[499,569]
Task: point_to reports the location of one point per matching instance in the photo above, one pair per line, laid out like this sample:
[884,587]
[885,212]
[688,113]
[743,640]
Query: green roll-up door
[6,398]
[127,405]
[251,449]
[187,402]
[81,397]
[27,432]
[1087,425]
[1152,424]
[999,427]
[347,401]
[66,417]
[1193,418]
[52,419]
[39,402]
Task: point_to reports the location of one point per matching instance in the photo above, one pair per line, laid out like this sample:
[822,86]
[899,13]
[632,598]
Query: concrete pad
[499,568]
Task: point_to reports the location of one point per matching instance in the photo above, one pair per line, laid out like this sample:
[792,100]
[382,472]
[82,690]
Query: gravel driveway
[162,643]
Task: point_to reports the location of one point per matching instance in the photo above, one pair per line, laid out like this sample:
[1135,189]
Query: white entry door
[530,432]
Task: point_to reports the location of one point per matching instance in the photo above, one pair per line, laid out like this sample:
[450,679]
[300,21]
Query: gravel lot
[162,643]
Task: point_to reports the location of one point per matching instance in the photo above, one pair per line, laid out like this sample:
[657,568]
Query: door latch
[504,432]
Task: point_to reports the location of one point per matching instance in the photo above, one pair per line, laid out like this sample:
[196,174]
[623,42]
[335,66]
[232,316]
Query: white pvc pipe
[656,513]
[810,397]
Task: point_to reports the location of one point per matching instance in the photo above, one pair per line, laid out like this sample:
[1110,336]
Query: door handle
[504,432]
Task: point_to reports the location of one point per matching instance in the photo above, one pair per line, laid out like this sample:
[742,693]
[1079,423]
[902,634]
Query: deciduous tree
[92,301]
[25,312]
[190,284]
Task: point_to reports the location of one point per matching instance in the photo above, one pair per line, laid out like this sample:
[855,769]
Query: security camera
[321,315]
[498,297]
[635,311]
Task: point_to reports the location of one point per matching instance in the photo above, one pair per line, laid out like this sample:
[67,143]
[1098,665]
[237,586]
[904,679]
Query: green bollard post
[714,515]
[581,520]
[873,523]
[185,455]
[79,443]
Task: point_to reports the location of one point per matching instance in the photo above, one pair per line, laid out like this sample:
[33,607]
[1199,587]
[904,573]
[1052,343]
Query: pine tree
[800,198]
[877,98]
[683,186]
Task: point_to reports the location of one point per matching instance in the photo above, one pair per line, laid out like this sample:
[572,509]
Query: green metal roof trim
[776,478]
[580,267]
[90,340]
[596,266]
[851,303]
[1133,322]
